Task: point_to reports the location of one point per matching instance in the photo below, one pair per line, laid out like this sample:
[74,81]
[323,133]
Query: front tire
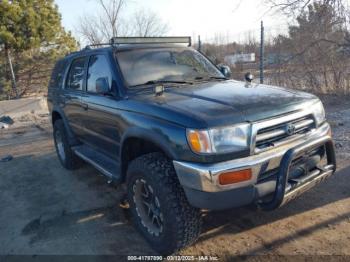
[64,152]
[158,205]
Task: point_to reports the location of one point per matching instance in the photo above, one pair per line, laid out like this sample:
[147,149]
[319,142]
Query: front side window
[140,66]
[98,69]
[76,74]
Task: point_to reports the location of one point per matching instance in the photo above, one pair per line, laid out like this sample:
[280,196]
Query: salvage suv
[159,117]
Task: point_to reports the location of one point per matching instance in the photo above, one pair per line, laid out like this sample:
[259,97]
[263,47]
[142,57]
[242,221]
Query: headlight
[319,113]
[219,140]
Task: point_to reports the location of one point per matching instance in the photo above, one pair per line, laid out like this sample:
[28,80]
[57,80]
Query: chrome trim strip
[304,123]
[270,134]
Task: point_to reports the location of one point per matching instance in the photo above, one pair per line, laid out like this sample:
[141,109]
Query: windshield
[142,66]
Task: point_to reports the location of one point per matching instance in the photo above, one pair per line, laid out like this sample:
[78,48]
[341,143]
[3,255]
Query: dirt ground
[46,210]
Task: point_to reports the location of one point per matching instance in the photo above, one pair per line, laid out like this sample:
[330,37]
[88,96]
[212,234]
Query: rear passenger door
[72,92]
[101,123]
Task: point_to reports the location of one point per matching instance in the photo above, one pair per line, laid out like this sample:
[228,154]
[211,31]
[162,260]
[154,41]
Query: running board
[102,163]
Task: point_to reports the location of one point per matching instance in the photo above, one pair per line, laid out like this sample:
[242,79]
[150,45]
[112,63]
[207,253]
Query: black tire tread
[186,217]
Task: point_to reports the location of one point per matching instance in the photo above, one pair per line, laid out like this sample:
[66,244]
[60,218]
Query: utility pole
[199,44]
[262,54]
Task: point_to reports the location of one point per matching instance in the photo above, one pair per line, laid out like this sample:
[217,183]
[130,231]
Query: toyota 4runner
[158,116]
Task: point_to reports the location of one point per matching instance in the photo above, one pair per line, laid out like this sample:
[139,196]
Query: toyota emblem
[290,129]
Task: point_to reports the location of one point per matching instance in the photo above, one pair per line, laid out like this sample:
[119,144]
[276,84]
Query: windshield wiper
[219,77]
[155,82]
[211,78]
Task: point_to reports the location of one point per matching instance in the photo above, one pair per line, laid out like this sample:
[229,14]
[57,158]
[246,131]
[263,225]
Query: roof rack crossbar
[151,40]
[144,40]
[97,45]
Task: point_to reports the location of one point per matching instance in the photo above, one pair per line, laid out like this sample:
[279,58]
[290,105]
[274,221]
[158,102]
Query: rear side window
[98,68]
[57,74]
[76,74]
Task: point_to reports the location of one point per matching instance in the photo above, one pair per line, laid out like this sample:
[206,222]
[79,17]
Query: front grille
[273,135]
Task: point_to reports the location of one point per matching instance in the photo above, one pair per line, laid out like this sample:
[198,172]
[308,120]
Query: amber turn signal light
[235,177]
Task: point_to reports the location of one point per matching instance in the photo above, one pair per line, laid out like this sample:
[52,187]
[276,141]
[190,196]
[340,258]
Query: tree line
[32,38]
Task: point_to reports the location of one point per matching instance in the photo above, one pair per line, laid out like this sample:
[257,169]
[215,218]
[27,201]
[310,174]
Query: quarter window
[98,68]
[57,75]
[76,74]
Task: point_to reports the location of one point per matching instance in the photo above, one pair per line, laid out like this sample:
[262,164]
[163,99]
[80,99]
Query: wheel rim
[60,145]
[148,207]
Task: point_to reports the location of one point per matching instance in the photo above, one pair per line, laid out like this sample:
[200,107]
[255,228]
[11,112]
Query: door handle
[85,106]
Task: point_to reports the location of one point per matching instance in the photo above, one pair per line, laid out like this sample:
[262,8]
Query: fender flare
[145,134]
[153,137]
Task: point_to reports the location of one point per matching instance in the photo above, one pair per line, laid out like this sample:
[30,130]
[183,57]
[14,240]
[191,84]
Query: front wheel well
[133,148]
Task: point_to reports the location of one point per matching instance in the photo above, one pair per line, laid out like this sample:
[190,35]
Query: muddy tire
[64,152]
[158,205]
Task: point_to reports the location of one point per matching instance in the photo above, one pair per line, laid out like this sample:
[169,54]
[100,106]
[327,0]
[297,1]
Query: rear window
[56,80]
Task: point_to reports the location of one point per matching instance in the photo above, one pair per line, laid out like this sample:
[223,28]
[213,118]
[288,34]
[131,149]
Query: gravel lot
[48,210]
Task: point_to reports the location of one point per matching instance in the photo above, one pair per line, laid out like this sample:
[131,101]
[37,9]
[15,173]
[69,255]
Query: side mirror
[225,70]
[249,77]
[102,85]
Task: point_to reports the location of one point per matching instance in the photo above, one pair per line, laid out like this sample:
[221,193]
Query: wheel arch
[138,142]
[58,114]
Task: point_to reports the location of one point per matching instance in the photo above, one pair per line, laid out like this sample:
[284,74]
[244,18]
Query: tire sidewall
[168,235]
[59,126]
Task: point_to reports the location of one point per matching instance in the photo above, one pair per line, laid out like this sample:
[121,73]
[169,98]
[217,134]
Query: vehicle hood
[223,103]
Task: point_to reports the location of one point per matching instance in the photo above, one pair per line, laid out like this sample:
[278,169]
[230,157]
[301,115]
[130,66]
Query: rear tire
[64,152]
[153,190]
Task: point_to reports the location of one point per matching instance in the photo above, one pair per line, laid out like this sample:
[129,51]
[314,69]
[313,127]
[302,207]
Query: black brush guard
[287,190]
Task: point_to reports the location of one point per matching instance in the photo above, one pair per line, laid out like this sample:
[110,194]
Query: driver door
[101,118]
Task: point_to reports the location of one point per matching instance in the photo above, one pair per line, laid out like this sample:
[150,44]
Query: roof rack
[144,40]
[88,47]
[151,40]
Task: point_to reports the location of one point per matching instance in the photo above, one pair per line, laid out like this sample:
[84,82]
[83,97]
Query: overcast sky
[232,18]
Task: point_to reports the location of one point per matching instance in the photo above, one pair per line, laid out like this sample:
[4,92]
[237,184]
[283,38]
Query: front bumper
[203,190]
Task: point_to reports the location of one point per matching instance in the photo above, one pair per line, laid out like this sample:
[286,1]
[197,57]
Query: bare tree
[87,30]
[109,22]
[147,23]
[295,7]
[106,24]
[112,10]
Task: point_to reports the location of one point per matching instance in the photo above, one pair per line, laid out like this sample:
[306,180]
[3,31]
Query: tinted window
[76,74]
[57,74]
[140,66]
[98,68]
